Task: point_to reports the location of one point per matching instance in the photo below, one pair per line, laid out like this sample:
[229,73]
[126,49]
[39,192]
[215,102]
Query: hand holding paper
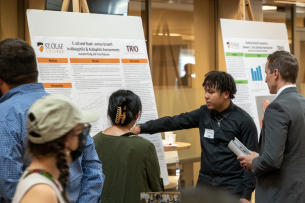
[245,156]
[246,160]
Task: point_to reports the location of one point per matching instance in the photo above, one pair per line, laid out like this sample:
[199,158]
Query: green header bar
[234,54]
[241,81]
[257,55]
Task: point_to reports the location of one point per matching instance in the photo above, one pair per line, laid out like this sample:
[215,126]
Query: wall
[302,61]
[9,19]
[32,4]
[13,18]
[228,10]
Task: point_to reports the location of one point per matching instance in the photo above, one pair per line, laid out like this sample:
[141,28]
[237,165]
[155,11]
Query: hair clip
[124,115]
[118,115]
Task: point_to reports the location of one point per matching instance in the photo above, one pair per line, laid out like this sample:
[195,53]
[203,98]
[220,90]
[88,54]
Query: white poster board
[247,45]
[87,57]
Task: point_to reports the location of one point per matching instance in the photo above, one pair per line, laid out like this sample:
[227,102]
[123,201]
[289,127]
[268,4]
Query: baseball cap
[53,116]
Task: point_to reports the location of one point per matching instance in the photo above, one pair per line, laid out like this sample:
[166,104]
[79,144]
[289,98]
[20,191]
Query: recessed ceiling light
[265,8]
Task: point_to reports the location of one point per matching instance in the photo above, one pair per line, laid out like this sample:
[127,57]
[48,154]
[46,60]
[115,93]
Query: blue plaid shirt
[86,178]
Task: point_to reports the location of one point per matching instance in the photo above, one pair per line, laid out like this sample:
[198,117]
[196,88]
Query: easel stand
[241,14]
[78,6]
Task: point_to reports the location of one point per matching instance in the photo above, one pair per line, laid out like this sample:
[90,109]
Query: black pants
[202,185]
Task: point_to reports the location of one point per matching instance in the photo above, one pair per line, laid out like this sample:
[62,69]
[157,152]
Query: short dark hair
[158,196]
[17,62]
[220,80]
[124,98]
[286,64]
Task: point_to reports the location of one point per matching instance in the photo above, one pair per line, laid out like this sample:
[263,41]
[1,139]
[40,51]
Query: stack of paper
[238,148]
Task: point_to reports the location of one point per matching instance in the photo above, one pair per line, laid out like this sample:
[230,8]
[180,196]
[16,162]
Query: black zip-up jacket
[219,165]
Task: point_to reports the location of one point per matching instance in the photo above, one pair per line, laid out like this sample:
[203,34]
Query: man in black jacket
[219,121]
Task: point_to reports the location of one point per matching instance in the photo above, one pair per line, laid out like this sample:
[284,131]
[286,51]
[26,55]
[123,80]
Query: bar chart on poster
[256,67]
[257,80]
[87,63]
[256,74]
[247,45]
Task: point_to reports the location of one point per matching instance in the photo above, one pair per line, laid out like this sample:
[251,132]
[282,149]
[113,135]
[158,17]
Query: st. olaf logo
[40,45]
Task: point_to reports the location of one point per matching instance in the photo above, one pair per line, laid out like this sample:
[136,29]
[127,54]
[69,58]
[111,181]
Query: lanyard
[44,173]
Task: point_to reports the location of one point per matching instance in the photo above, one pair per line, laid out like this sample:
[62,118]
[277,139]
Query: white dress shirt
[282,88]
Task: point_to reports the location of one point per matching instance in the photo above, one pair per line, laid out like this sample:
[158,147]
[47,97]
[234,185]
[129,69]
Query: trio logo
[132,48]
[40,46]
[280,48]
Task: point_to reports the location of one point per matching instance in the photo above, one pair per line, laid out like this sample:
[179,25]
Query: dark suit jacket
[280,168]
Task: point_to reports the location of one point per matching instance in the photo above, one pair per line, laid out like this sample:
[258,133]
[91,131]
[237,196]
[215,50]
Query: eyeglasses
[86,129]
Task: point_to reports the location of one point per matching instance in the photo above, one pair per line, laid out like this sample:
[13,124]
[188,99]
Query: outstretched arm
[179,122]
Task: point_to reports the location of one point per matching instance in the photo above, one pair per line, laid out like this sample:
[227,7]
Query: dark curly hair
[54,148]
[221,81]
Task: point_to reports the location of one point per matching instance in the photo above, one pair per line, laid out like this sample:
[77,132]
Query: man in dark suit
[280,164]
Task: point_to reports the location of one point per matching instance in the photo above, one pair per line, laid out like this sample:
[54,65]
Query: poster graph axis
[87,104]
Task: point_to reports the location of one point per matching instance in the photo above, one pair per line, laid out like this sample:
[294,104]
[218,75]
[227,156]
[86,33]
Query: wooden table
[181,146]
[174,180]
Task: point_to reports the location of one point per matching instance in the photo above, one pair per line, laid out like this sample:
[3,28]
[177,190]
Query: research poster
[88,69]
[247,46]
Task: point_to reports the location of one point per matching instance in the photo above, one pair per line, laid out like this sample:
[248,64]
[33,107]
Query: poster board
[247,45]
[87,57]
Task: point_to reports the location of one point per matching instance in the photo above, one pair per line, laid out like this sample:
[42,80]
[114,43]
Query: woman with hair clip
[130,163]
[57,132]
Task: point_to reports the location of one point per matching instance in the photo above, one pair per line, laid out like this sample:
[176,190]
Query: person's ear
[276,74]
[4,87]
[1,82]
[138,115]
[226,94]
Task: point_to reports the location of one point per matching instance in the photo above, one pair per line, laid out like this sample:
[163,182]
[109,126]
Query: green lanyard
[44,173]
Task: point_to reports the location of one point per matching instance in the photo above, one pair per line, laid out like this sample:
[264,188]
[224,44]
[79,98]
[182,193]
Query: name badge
[208,133]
